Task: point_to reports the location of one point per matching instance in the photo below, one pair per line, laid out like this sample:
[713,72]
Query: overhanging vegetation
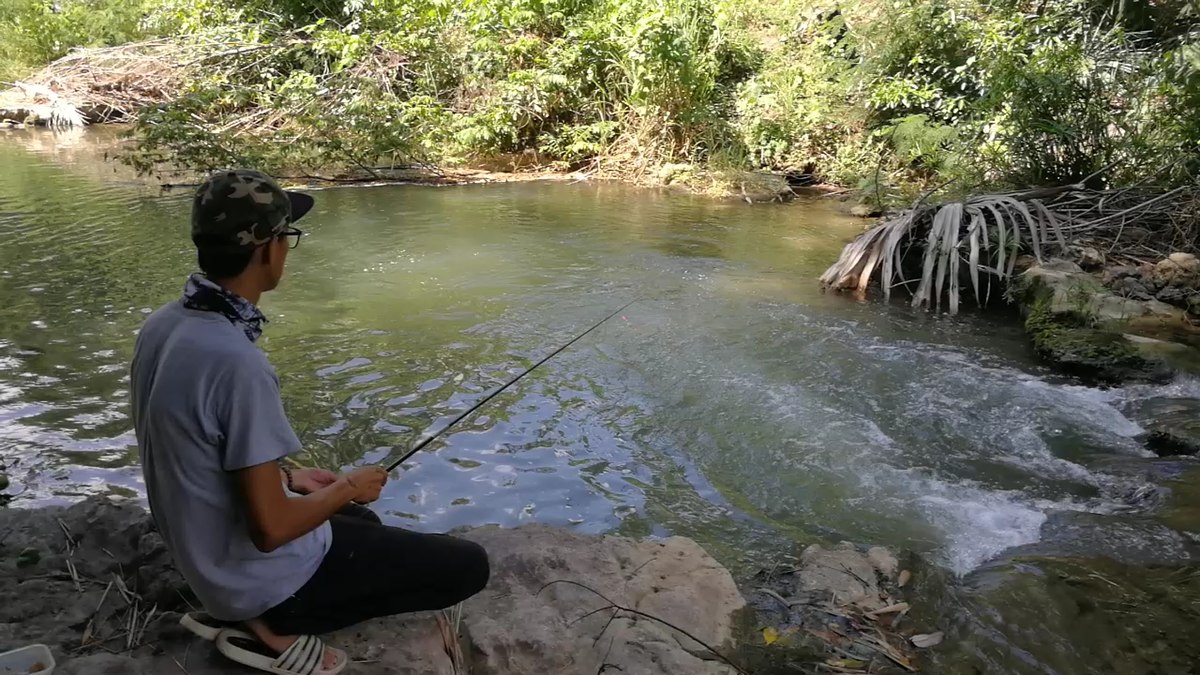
[889,98]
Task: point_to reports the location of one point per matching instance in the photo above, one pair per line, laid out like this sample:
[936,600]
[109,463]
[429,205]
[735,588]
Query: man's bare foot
[280,643]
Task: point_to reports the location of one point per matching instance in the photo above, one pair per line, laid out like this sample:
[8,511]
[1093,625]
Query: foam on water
[977,524]
[967,523]
[1183,386]
[951,455]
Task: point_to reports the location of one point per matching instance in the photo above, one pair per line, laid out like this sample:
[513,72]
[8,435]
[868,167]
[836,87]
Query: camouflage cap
[243,208]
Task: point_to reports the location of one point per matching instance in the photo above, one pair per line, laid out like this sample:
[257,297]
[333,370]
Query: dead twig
[183,666]
[91,624]
[129,596]
[74,575]
[787,606]
[887,651]
[608,623]
[145,624]
[67,533]
[604,664]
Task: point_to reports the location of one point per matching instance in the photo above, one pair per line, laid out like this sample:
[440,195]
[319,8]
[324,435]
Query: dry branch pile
[109,84]
[978,240]
[113,82]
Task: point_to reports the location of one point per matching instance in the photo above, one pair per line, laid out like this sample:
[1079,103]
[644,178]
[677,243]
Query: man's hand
[276,519]
[308,481]
[367,481]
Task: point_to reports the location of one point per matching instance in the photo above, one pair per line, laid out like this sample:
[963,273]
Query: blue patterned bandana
[202,294]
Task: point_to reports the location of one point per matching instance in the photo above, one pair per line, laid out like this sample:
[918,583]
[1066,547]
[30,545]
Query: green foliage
[1044,93]
[35,32]
[794,113]
[917,141]
[389,81]
[1008,92]
[894,97]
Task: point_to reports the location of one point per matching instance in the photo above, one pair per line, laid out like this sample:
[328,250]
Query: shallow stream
[733,403]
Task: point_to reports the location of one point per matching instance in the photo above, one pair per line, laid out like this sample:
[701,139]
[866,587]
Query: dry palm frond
[64,115]
[988,232]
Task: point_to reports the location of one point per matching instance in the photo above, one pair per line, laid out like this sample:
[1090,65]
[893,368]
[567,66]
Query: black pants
[373,570]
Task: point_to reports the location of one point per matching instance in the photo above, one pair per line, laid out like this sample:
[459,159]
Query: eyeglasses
[293,232]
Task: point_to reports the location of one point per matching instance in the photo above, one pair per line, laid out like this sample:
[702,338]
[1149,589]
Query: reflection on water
[734,402]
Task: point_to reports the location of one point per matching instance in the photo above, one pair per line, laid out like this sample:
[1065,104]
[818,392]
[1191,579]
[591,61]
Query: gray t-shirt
[205,403]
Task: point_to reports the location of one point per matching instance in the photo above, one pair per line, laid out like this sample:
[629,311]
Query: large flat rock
[674,580]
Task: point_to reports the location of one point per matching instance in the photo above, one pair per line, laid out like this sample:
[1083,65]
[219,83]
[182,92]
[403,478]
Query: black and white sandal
[303,657]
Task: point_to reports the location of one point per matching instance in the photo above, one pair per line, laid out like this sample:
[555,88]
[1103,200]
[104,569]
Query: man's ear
[266,252]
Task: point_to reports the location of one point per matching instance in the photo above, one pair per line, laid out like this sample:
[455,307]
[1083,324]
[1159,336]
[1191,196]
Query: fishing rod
[421,445]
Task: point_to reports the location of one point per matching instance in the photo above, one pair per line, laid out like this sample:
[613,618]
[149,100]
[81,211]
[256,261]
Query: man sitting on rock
[270,568]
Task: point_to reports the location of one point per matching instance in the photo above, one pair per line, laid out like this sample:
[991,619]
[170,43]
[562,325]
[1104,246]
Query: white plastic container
[23,661]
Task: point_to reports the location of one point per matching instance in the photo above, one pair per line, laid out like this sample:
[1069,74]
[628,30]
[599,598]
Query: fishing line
[421,445]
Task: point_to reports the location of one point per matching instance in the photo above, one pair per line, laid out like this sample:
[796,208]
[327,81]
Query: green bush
[892,97]
[36,32]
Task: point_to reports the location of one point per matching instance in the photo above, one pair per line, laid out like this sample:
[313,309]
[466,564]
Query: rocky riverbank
[95,583]
[1115,323]
[1119,324]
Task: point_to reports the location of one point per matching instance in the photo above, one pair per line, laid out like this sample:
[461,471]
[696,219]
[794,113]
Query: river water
[733,403]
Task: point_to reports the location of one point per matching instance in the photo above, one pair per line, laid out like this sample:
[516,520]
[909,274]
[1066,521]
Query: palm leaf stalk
[977,241]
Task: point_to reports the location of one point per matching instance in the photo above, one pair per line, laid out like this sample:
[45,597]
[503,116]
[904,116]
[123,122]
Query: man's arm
[276,519]
[258,434]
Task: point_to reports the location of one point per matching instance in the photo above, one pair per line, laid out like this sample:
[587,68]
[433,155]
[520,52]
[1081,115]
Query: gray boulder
[524,622]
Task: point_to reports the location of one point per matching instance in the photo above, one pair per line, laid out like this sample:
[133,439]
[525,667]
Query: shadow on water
[735,403]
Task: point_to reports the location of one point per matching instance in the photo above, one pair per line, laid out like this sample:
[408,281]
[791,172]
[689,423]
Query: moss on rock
[1070,343]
